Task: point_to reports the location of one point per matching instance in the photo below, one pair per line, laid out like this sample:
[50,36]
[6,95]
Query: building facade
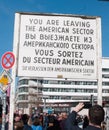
[60,94]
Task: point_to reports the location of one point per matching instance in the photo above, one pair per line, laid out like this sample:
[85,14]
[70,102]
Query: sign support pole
[99,74]
[12,91]
[4,112]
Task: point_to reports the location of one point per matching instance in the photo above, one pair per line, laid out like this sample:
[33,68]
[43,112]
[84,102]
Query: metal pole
[99,96]
[92,100]
[44,103]
[37,93]
[4,112]
[12,90]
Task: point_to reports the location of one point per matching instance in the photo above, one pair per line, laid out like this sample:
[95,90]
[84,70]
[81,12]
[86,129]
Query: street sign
[61,46]
[8,60]
[5,80]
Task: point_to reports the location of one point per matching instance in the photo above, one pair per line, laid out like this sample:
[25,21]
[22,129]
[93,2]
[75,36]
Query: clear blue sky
[77,7]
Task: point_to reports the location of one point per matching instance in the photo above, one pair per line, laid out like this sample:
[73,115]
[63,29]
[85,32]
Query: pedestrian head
[25,118]
[36,121]
[18,125]
[64,115]
[96,115]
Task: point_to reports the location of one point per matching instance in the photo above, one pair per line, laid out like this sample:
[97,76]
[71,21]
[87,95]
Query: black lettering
[26,59]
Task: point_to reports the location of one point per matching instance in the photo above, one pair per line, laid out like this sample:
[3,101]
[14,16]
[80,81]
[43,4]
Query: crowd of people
[63,121]
[41,121]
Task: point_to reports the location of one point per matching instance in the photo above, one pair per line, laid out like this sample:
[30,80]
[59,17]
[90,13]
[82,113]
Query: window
[105,69]
[23,89]
[23,97]
[23,81]
[106,76]
[105,83]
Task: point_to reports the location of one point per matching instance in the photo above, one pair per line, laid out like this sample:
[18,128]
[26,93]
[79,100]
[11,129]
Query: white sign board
[57,46]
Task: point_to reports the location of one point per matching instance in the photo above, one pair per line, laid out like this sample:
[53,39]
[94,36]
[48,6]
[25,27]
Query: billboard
[54,45]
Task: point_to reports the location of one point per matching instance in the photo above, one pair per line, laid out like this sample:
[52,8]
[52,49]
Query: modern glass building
[60,94]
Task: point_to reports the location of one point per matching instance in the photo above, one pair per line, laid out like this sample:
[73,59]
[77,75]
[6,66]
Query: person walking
[25,118]
[62,122]
[36,124]
[96,117]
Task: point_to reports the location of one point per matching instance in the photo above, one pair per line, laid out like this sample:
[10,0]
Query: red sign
[8,60]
